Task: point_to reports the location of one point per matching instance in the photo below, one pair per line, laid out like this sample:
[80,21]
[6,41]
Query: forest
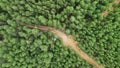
[59,33]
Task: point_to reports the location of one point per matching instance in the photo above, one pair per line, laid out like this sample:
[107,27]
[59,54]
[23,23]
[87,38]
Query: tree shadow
[1,37]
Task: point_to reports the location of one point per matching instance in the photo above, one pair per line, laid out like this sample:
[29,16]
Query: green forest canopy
[23,47]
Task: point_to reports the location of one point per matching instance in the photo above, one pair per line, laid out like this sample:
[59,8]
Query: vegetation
[22,47]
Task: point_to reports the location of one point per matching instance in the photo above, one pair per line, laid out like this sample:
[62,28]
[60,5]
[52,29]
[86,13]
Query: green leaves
[6,65]
[42,19]
[44,48]
[3,17]
[68,31]
[14,7]
[35,31]
[22,34]
[11,23]
[24,47]
[72,19]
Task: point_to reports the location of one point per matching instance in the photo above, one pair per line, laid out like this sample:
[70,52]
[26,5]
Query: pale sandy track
[105,13]
[69,40]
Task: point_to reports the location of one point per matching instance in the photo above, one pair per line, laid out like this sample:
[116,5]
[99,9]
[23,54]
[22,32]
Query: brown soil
[105,13]
[69,40]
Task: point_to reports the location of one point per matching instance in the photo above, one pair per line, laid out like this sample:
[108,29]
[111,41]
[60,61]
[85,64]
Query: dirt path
[69,40]
[105,13]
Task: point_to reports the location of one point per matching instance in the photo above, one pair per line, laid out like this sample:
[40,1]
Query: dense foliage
[22,47]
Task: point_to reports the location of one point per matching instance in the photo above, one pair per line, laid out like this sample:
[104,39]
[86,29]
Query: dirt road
[69,40]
